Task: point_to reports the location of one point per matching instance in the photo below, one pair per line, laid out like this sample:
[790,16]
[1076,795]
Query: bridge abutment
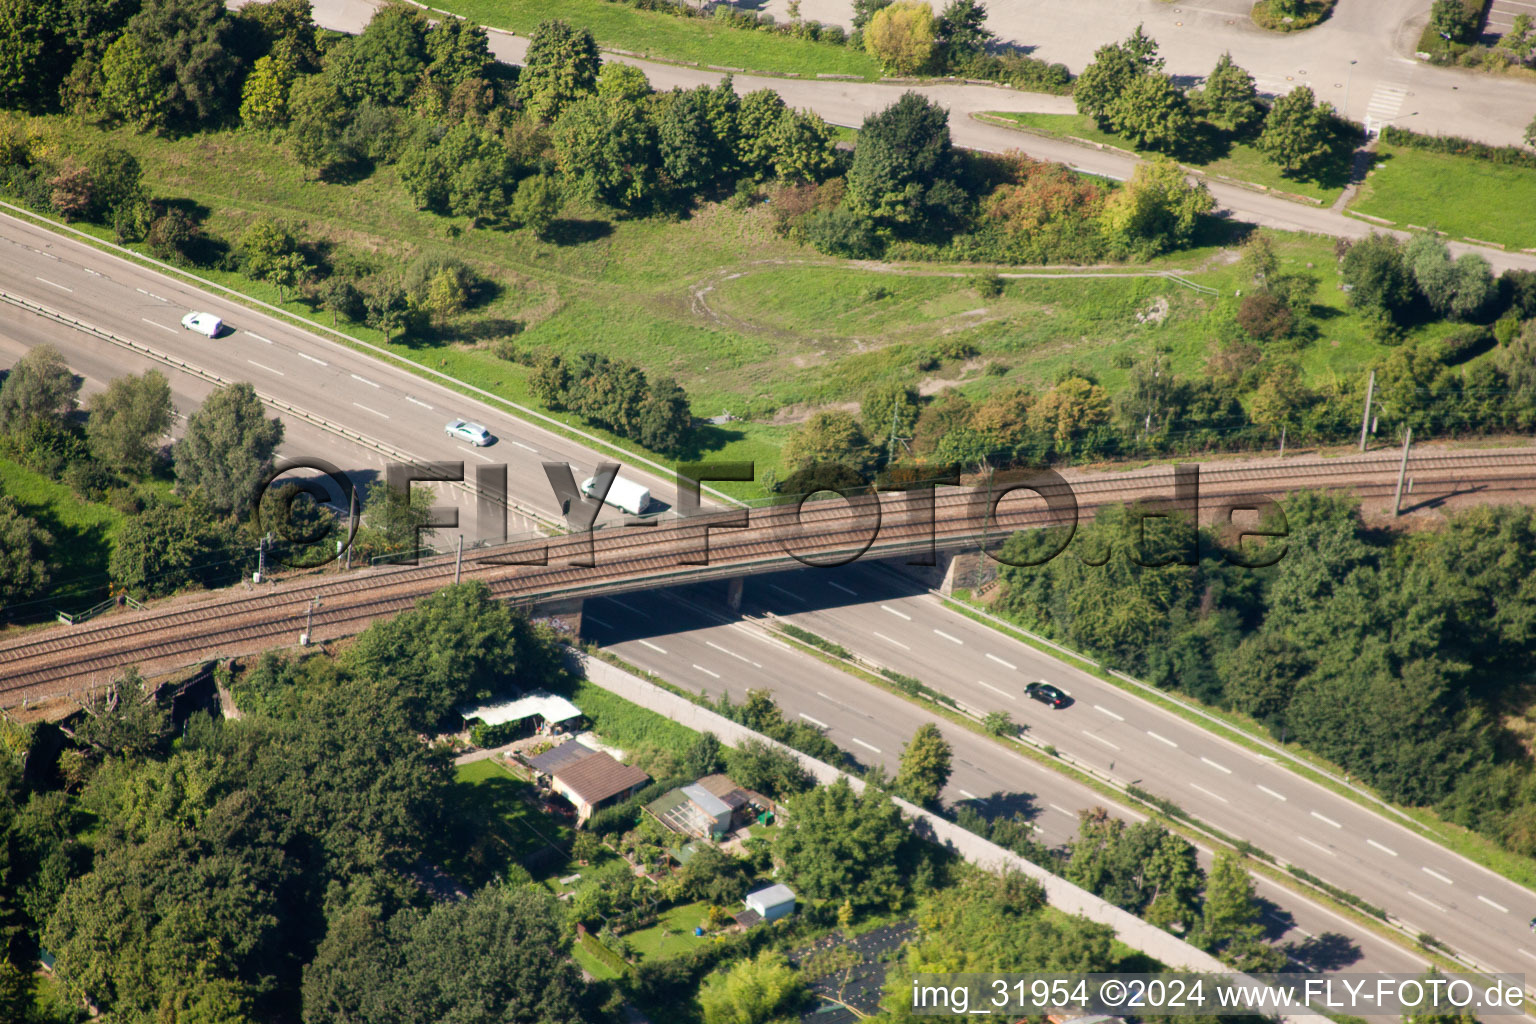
[566,611]
[733,588]
[965,569]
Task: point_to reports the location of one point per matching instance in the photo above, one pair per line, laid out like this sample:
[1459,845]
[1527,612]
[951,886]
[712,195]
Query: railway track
[60,661]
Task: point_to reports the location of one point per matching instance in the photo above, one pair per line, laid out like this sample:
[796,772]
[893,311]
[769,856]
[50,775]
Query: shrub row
[1515,156]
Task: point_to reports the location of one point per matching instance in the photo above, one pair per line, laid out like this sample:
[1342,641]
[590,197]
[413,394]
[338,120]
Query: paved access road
[682,637]
[404,412]
[1386,82]
[848,103]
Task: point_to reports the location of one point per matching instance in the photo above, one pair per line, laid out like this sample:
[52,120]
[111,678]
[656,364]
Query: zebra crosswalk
[1386,103]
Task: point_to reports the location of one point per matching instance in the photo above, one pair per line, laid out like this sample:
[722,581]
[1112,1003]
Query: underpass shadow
[1329,951]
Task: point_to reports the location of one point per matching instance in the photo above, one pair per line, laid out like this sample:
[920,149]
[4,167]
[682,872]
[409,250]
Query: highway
[883,618]
[683,637]
[403,412]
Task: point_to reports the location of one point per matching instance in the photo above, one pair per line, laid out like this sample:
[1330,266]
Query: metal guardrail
[70,619]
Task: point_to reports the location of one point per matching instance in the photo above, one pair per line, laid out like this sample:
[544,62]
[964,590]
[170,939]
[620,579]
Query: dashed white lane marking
[888,640]
[951,639]
[471,451]
[311,358]
[525,448]
[1496,906]
[417,401]
[1161,739]
[253,334]
[630,607]
[815,721]
[1277,796]
[787,593]
[600,622]
[1218,767]
[93,273]
[1213,796]
[659,650]
[376,412]
[824,696]
[726,650]
[867,746]
[1383,849]
[1005,664]
[893,611]
[1318,846]
[1063,810]
[994,689]
[269,369]
[1101,739]
[1111,714]
[1527,953]
[712,675]
[54,284]
[968,794]
[161,326]
[1427,902]
[844,589]
[1432,873]
[1326,821]
[365,380]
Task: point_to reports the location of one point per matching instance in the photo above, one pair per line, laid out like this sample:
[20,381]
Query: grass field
[671,934]
[654,34]
[748,322]
[1459,195]
[1240,161]
[82,534]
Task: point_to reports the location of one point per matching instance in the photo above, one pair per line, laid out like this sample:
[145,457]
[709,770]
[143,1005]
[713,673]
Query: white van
[625,495]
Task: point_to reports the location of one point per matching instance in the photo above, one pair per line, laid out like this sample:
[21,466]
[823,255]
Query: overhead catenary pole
[458,559]
[1402,471]
[1365,419]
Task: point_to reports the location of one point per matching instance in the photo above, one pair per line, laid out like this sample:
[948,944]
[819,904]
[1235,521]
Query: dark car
[1045,693]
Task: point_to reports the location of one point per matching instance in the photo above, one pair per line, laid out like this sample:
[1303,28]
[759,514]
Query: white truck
[625,495]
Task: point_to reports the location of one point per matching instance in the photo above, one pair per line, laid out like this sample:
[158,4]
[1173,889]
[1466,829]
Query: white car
[474,433]
[203,323]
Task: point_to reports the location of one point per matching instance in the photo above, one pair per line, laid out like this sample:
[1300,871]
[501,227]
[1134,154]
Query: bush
[1263,316]
[988,286]
[841,232]
[1457,146]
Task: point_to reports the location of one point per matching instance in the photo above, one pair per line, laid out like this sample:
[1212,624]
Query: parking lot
[1502,14]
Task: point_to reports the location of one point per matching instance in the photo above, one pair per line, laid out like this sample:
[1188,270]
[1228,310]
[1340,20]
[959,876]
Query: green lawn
[497,794]
[1240,161]
[671,934]
[82,534]
[1459,195]
[705,41]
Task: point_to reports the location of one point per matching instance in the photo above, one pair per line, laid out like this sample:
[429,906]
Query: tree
[560,68]
[901,36]
[1157,209]
[30,40]
[264,97]
[24,547]
[385,62]
[167,547]
[174,235]
[828,437]
[1259,260]
[606,151]
[318,117]
[664,418]
[751,991]
[195,66]
[758,119]
[40,387]
[131,89]
[1530,133]
[1069,410]
[690,155]
[1377,275]
[925,765]
[904,165]
[1453,20]
[1298,133]
[128,419]
[803,147]
[536,203]
[446,295]
[1153,114]
[74,191]
[863,10]
[342,298]
[840,845]
[117,180]
[961,30]
[458,51]
[1231,916]
[1229,97]
[767,769]
[270,254]
[1142,868]
[387,308]
[479,171]
[1114,67]
[1455,288]
[889,408]
[623,82]
[1264,316]
[227,448]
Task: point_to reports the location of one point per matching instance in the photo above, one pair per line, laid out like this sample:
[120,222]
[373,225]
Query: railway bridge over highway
[942,531]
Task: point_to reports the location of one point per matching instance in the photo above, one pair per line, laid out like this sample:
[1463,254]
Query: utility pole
[1282,442]
[1348,76]
[1402,471]
[458,559]
[309,620]
[261,560]
[1365,419]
